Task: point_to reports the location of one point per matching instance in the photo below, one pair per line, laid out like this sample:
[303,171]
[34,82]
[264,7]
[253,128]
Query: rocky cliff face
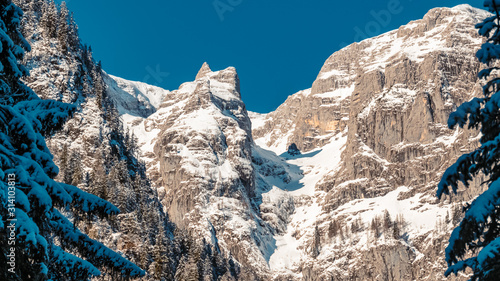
[409,81]
[390,97]
[198,148]
[211,128]
[307,118]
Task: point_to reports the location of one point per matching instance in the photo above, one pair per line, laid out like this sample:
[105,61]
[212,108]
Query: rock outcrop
[198,149]
[204,70]
[307,119]
[398,134]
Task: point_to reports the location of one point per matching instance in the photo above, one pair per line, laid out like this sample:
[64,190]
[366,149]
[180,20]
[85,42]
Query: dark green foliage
[398,226]
[12,50]
[293,150]
[456,214]
[357,225]
[106,164]
[77,170]
[63,28]
[201,261]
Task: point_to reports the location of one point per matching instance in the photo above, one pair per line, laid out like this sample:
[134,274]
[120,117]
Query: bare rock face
[204,70]
[394,93]
[215,131]
[399,108]
[350,78]
[314,119]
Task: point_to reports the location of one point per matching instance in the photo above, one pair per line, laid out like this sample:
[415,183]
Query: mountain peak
[205,68]
[474,13]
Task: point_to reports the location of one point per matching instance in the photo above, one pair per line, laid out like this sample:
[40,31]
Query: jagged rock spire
[205,68]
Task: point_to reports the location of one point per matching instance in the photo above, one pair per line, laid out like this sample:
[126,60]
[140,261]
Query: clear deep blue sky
[277,47]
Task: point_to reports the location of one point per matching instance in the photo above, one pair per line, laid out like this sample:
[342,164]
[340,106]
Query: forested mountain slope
[97,154]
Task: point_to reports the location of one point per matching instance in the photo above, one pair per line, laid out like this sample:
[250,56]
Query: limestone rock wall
[391,95]
[201,163]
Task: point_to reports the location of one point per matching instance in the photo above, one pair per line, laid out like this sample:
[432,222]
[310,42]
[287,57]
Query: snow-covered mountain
[383,104]
[95,153]
[358,203]
[134,99]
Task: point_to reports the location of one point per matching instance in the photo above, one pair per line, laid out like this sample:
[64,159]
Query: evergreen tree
[12,46]
[475,243]
[72,163]
[234,270]
[160,262]
[77,170]
[399,225]
[396,231]
[341,232]
[440,226]
[63,27]
[387,222]
[49,19]
[316,244]
[99,87]
[29,22]
[99,177]
[219,263]
[122,187]
[456,214]
[447,219]
[357,225]
[73,37]
[375,227]
[188,268]
[63,163]
[333,228]
[86,180]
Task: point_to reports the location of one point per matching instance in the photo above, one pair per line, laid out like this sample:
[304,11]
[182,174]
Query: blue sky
[277,47]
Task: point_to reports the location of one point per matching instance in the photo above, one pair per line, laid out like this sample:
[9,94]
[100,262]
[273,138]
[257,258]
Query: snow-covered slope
[304,171]
[133,99]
